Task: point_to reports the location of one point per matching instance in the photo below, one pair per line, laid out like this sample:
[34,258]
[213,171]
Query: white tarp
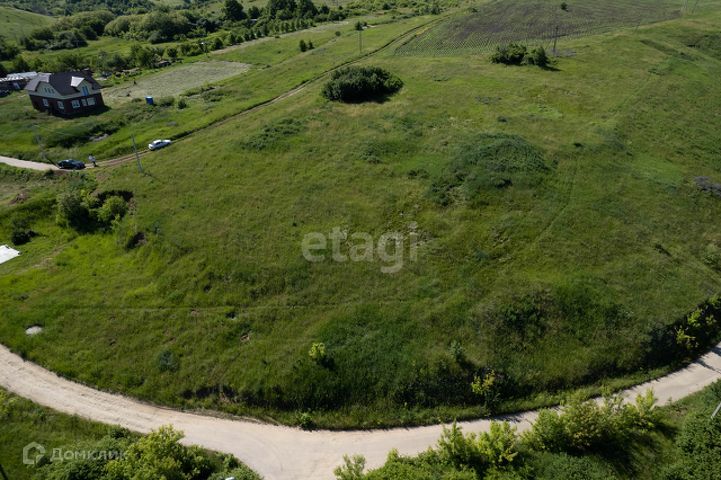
[7,253]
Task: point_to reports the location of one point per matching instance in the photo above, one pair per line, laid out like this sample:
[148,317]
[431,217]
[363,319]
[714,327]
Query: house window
[85,90]
[84,102]
[91,102]
[76,104]
[45,102]
[61,105]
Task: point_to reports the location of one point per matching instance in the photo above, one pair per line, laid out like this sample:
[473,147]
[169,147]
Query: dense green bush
[8,50]
[77,209]
[517,54]
[511,54]
[114,208]
[74,210]
[699,444]
[583,427]
[360,84]
[538,57]
[154,456]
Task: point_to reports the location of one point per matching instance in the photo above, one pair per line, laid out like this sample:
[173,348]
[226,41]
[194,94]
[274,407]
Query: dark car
[71,164]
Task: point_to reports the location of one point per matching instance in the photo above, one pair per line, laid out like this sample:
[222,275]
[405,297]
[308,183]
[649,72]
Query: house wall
[68,106]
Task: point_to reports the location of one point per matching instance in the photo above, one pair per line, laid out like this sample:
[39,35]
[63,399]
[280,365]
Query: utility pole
[715,412]
[137,156]
[555,41]
[360,40]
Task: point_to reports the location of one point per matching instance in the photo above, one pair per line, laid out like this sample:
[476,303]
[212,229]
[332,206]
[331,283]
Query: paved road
[14,162]
[277,452]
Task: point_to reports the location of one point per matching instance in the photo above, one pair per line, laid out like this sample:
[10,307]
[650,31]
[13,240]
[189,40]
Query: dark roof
[62,82]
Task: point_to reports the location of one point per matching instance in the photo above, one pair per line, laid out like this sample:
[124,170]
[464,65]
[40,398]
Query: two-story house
[65,94]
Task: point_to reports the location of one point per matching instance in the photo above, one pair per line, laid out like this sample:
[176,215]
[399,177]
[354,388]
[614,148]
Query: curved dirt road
[276,452]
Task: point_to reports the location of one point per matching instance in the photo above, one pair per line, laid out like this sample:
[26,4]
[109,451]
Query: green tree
[233,11]
[20,64]
[302,45]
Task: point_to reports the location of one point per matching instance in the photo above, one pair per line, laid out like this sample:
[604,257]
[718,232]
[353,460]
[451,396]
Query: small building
[66,94]
[16,81]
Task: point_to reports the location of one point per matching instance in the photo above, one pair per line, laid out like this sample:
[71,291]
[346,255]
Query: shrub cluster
[580,428]
[360,84]
[156,455]
[84,213]
[70,32]
[517,54]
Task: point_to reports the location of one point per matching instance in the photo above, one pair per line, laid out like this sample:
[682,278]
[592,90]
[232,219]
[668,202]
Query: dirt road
[283,453]
[14,162]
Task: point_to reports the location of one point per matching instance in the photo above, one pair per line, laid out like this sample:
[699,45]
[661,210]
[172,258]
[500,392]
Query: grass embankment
[572,240]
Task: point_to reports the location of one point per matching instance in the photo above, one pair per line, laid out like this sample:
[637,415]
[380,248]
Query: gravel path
[277,452]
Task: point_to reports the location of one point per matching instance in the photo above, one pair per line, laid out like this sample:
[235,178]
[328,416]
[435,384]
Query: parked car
[158,144]
[71,164]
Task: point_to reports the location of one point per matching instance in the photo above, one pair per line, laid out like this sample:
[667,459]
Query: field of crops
[538,21]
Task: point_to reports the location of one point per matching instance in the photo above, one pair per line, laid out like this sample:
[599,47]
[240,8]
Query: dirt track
[283,453]
[14,162]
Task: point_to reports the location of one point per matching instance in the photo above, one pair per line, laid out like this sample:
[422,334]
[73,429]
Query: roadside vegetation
[565,241]
[586,440]
[103,452]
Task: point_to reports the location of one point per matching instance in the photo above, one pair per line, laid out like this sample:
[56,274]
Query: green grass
[175,80]
[230,97]
[559,280]
[15,24]
[500,22]
[27,422]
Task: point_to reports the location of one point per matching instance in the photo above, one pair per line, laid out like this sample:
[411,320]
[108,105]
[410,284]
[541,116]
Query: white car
[158,144]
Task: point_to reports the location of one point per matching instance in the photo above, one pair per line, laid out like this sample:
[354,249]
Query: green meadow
[561,236]
[14,23]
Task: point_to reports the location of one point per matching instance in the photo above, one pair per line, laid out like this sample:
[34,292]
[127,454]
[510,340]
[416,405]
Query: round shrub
[360,84]
[113,208]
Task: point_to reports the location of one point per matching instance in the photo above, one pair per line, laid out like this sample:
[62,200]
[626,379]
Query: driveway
[277,452]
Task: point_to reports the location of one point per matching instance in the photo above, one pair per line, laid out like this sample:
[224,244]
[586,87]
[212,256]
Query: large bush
[360,84]
[511,54]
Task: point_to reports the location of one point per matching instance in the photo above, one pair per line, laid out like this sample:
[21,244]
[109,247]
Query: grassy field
[175,80]
[15,24]
[561,271]
[499,22]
